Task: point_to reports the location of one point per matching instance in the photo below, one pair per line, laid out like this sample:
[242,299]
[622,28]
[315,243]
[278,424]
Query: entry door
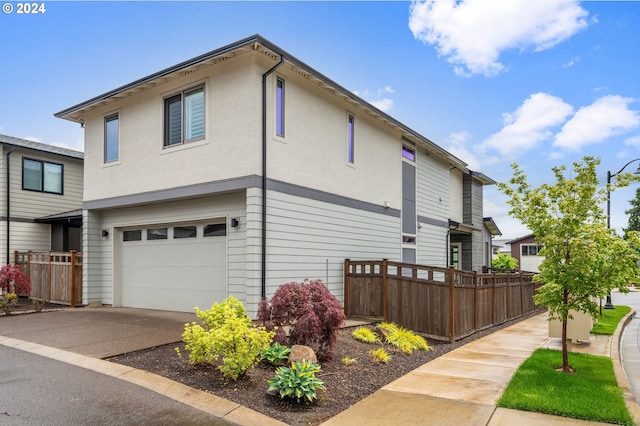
[455,255]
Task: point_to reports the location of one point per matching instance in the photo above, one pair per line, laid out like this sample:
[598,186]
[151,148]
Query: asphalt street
[35,390]
[630,340]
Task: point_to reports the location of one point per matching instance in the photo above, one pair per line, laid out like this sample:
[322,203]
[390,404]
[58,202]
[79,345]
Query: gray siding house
[40,197]
[244,168]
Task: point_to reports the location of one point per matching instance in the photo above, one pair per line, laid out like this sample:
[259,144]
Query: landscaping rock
[301,352]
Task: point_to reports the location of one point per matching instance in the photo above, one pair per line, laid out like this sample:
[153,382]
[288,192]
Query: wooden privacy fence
[54,276]
[443,303]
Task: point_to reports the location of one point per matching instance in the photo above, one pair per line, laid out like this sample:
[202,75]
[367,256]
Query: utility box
[578,328]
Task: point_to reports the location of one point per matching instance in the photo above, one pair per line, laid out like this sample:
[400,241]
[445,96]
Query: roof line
[288,58]
[38,146]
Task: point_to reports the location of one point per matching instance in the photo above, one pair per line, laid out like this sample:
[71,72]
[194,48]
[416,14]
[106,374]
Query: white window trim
[181,90]
[111,163]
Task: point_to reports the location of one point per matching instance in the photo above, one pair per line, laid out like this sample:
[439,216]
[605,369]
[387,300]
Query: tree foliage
[583,259]
[634,215]
[504,261]
[13,280]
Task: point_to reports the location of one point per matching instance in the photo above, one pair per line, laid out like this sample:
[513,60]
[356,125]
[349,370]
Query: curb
[621,377]
[203,401]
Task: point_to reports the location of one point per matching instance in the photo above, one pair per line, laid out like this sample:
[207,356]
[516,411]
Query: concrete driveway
[98,332]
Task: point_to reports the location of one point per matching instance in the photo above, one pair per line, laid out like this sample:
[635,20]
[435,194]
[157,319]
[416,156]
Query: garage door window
[184,232]
[157,234]
[215,230]
[135,235]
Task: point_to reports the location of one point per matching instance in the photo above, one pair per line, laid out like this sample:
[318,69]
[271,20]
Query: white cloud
[473,33]
[475,157]
[529,125]
[571,62]
[379,101]
[606,117]
[633,141]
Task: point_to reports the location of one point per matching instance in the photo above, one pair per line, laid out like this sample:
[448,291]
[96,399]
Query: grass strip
[609,320]
[591,393]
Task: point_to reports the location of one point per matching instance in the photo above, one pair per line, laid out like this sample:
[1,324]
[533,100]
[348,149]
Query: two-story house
[244,168]
[40,197]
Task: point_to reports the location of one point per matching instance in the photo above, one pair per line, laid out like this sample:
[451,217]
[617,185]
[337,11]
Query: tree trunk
[566,368]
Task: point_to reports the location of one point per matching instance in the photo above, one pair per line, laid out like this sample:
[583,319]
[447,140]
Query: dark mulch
[345,385]
[26,306]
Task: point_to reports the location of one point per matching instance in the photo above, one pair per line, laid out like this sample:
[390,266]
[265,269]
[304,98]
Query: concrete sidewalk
[462,386]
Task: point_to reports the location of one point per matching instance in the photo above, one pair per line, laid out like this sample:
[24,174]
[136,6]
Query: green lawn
[609,320]
[591,393]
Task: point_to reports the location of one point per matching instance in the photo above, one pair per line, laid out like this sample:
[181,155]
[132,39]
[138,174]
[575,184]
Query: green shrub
[276,353]
[380,355]
[228,334]
[405,340]
[297,381]
[365,335]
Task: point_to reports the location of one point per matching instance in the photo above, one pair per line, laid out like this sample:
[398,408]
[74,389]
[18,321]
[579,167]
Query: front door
[455,254]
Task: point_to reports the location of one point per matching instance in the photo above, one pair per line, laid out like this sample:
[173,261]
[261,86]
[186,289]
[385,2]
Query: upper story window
[111,138]
[42,176]
[184,116]
[351,121]
[408,153]
[280,107]
[530,249]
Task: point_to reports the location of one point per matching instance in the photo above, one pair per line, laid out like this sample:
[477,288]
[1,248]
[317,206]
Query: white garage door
[174,268]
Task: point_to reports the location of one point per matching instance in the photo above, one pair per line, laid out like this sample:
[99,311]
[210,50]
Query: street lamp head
[637,172]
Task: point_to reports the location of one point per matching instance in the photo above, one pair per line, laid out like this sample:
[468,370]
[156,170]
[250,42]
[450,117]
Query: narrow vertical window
[350,139]
[111,138]
[280,107]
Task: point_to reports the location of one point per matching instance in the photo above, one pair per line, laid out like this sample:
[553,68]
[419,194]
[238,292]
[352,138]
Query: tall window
[280,107]
[184,116]
[41,176]
[111,138]
[350,139]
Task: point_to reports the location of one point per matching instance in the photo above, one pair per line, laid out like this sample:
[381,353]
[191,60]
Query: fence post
[385,292]
[475,301]
[49,276]
[73,278]
[452,304]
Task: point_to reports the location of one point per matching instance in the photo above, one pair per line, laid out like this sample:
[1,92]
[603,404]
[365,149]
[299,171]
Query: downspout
[8,165]
[264,176]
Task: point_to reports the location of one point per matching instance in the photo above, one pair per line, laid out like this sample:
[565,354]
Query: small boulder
[301,352]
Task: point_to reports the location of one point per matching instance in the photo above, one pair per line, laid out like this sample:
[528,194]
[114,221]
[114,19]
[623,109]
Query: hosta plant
[276,354]
[298,381]
[363,334]
[405,340]
[228,339]
[380,355]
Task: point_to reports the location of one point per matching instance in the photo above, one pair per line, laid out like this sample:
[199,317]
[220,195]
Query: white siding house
[40,197]
[244,168]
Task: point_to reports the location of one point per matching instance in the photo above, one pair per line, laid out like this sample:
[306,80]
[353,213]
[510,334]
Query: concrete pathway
[462,386]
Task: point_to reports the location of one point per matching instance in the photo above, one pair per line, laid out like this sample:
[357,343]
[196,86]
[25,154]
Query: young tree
[583,259]
[634,214]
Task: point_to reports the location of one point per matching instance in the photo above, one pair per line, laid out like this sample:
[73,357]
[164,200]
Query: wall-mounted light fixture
[387,205]
[105,232]
[234,222]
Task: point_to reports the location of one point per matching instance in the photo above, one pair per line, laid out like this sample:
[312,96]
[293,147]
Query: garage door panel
[174,274]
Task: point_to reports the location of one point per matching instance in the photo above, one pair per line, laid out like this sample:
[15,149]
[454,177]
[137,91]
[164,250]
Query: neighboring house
[242,169]
[491,230]
[40,197]
[526,250]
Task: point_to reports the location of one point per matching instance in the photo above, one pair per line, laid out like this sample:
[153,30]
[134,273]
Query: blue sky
[541,83]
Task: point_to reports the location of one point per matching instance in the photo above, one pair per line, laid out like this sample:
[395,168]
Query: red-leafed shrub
[308,311]
[13,280]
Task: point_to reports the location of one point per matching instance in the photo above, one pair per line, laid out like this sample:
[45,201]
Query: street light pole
[608,304]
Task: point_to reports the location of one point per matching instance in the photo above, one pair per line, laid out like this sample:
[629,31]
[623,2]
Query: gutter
[8,165]
[263,286]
